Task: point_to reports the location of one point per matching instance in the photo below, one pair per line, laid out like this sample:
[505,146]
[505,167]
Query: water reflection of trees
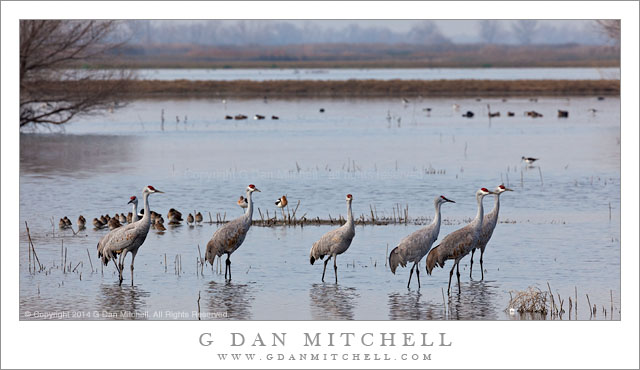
[122,302]
[229,300]
[44,154]
[332,302]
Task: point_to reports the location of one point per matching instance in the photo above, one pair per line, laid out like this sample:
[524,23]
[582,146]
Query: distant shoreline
[351,88]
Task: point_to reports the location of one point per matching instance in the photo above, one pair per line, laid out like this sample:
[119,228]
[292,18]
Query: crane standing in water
[230,236]
[488,225]
[415,246]
[126,239]
[334,242]
[459,243]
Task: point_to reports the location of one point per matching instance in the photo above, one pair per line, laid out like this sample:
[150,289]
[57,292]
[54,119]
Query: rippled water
[381,74]
[562,223]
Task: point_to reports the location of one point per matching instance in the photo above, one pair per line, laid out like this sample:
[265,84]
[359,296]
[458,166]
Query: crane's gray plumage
[416,245]
[230,236]
[459,243]
[334,242]
[488,225]
[128,238]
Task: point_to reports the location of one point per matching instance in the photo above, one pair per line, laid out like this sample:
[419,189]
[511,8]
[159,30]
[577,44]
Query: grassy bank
[351,88]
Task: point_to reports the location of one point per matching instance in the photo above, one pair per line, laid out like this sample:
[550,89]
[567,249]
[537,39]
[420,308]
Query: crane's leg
[335,268]
[458,274]
[410,273]
[471,267]
[119,271]
[325,267]
[123,254]
[133,257]
[418,274]
[228,267]
[481,267]
[450,275]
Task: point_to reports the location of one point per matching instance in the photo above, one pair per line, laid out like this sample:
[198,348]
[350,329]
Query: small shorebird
[62,224]
[190,219]
[81,222]
[114,223]
[529,160]
[469,114]
[258,116]
[198,218]
[275,117]
[97,223]
[174,216]
[281,203]
[122,218]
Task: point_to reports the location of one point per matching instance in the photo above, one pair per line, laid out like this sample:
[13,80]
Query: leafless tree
[524,30]
[611,28]
[488,30]
[53,89]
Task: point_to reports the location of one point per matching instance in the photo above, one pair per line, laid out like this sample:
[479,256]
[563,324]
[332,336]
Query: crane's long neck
[436,219]
[349,215]
[496,204]
[146,218]
[249,213]
[134,216]
[480,214]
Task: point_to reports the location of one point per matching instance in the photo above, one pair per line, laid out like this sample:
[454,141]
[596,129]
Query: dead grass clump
[530,300]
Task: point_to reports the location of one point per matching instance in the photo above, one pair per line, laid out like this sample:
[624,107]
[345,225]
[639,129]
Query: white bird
[488,225]
[134,213]
[230,236]
[416,245]
[128,238]
[459,243]
[334,242]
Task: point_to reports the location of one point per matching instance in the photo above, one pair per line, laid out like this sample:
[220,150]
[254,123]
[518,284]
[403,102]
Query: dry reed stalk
[89,257]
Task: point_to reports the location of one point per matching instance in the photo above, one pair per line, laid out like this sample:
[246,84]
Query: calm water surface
[561,225]
[382,74]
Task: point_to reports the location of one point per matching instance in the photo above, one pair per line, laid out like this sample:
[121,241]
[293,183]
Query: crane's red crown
[485,190]
[133,197]
[501,187]
[252,186]
[349,196]
[151,187]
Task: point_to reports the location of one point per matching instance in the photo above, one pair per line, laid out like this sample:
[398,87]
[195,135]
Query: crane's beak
[129,202]
[449,200]
[507,189]
[256,189]
[158,191]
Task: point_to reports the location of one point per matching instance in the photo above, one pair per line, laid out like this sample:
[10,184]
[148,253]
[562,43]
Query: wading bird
[122,218]
[114,223]
[242,202]
[488,225]
[459,243]
[230,236]
[190,219]
[174,216]
[128,238]
[334,242]
[281,203]
[198,218]
[528,160]
[97,223]
[134,215]
[81,222]
[415,246]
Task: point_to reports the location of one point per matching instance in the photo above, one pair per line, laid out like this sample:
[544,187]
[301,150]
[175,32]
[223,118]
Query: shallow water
[562,222]
[381,74]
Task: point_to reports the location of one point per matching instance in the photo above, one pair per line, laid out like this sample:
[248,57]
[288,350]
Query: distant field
[361,56]
[351,88]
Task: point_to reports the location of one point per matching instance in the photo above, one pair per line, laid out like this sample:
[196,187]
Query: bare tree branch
[50,51]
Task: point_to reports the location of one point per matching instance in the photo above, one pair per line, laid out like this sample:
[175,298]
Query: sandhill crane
[281,203]
[134,215]
[242,202]
[528,160]
[488,225]
[334,242]
[459,243]
[128,238]
[230,236]
[415,246]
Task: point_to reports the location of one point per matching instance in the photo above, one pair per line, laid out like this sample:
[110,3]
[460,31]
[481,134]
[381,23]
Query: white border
[169,344]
